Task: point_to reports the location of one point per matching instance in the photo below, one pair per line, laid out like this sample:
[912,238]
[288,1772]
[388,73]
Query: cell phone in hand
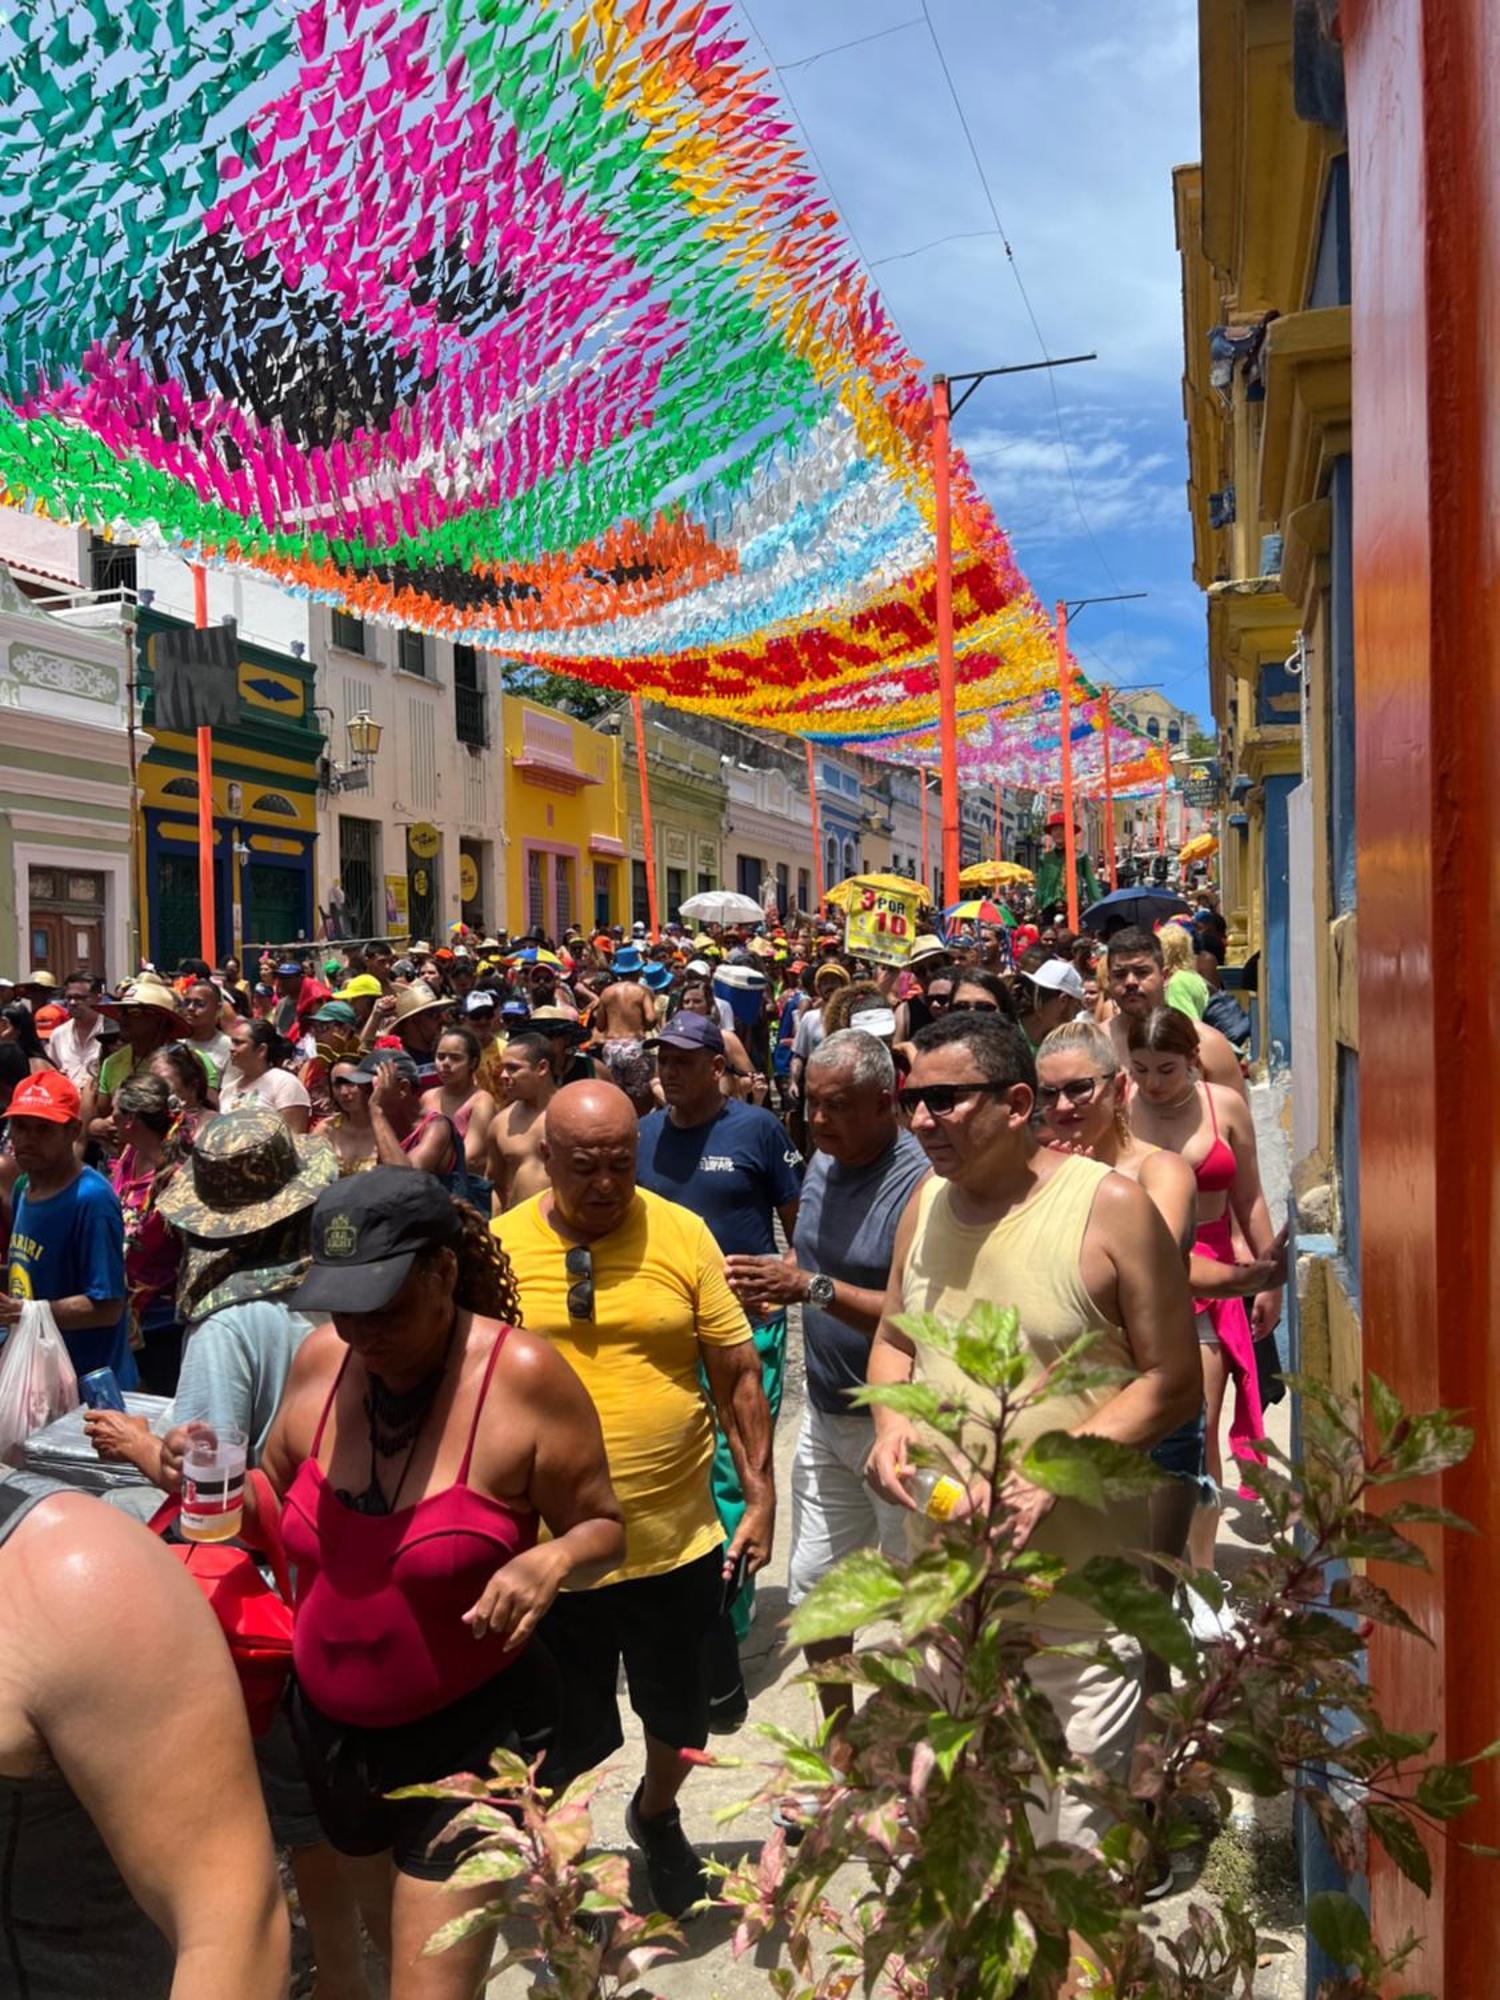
[736,1580]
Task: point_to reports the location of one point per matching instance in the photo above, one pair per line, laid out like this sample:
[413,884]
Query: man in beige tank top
[1076,1249]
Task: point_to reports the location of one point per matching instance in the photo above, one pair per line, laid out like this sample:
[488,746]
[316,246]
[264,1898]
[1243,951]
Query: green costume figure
[1051,880]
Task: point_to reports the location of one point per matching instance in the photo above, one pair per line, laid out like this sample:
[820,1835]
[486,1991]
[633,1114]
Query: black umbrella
[1132,909]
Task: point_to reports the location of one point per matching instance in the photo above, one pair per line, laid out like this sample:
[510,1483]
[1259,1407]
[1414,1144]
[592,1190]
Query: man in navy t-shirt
[731,1164]
[67,1238]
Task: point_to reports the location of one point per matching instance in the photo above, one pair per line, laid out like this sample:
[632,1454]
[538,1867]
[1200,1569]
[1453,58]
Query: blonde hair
[1178,951]
[1085,1037]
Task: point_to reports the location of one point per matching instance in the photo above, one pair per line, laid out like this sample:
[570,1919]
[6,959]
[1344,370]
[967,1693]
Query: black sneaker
[672,1868]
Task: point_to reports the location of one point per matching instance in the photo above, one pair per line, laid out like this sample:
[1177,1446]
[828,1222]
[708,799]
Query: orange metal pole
[999,822]
[648,840]
[207,940]
[1106,695]
[926,870]
[1065,691]
[817,830]
[947,678]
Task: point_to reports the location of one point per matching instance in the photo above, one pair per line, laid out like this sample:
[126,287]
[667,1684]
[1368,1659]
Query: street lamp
[364,734]
[364,738]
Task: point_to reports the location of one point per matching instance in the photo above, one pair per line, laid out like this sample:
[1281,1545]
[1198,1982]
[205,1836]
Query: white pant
[833,1510]
[1098,1710]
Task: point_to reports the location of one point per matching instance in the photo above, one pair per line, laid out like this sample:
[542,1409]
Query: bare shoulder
[1219,1062]
[1122,1210]
[1165,1170]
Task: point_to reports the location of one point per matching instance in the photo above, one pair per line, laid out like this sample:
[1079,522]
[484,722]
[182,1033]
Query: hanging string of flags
[524,324]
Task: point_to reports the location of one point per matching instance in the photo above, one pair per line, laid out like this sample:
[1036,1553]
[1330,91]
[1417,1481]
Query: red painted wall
[1424,109]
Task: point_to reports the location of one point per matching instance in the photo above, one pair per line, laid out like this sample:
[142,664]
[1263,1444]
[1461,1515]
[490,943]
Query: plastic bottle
[937,1494]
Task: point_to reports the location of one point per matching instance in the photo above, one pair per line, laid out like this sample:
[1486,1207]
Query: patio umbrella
[979,912]
[1199,848]
[1132,909]
[993,875]
[846,894]
[721,906]
[533,954]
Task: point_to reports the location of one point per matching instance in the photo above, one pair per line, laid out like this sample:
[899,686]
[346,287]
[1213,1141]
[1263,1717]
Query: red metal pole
[947,679]
[207,940]
[648,840]
[1065,691]
[817,831]
[1106,695]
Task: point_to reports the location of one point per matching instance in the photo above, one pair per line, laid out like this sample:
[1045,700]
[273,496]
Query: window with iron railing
[470,722]
[348,632]
[111,564]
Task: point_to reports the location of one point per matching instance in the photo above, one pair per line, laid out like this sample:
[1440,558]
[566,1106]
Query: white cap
[1058,976]
[481,1000]
[877,1021]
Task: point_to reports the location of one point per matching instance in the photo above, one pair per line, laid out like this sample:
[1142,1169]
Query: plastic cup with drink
[213,1483]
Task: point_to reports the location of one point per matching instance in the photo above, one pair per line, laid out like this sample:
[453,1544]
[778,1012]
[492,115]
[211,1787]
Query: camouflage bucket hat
[246,1171]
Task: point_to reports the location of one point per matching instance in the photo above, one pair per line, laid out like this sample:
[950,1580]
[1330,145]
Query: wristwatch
[820,1292]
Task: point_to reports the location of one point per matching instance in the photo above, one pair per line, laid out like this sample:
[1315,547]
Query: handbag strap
[267,1532]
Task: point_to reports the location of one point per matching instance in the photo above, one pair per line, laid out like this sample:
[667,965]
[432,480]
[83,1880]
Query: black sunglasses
[579,1265]
[1078,1090]
[976,1007]
[941,1100]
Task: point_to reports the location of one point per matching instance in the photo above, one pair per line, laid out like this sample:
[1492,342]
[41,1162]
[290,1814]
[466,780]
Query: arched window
[1153,726]
[831,857]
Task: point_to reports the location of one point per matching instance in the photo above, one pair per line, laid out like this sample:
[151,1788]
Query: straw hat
[245,1172]
[418,998]
[148,991]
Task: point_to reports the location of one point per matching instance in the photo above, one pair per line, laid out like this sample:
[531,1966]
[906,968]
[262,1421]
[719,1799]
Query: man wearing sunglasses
[631,1290]
[1079,1252]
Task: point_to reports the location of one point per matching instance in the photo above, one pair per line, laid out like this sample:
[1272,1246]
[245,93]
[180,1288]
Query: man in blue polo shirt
[67,1239]
[730,1163]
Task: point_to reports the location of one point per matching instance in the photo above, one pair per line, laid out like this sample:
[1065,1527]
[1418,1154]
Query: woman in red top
[421,1442]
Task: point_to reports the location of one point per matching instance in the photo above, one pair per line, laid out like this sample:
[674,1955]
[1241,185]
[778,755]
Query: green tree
[581,699]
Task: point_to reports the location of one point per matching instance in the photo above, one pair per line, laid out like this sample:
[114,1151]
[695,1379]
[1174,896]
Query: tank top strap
[484,1390]
[328,1407]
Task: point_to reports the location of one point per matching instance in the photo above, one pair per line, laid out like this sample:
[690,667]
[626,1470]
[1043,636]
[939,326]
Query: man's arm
[73,1314]
[892,1358]
[745,1419]
[129,1680]
[759,1282]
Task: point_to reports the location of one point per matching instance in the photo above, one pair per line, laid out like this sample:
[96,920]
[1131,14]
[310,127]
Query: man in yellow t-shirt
[631,1291]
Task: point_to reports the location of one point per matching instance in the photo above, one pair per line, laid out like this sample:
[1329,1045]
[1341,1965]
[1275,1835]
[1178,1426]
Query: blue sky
[1079,110]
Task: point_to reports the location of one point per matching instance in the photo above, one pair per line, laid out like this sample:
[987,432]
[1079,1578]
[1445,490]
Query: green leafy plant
[579,1936]
[920,1875]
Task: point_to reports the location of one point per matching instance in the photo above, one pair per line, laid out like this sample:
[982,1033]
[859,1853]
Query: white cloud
[1038,486]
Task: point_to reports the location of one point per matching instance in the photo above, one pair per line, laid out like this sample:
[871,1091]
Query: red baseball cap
[47,1095]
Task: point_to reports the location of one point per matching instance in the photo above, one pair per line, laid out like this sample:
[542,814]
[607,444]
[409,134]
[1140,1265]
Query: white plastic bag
[37,1381]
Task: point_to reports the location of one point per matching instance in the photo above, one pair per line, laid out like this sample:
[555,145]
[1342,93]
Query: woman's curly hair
[486,1283]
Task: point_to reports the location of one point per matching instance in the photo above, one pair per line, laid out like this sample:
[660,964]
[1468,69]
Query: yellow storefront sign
[397,908]
[468,878]
[424,840]
[882,926]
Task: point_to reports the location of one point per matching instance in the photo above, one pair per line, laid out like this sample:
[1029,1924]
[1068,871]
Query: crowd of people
[489,1250]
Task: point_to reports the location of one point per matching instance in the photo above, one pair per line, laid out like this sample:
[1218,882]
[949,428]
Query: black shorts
[350,1770]
[659,1626]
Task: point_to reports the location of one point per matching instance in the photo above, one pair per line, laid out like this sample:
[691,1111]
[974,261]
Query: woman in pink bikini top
[1211,1128]
[421,1442]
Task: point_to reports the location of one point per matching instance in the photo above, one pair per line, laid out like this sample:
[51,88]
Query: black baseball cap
[367,1231]
[690,1031]
[379,1059]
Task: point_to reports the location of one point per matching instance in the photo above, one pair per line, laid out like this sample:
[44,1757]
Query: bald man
[631,1290]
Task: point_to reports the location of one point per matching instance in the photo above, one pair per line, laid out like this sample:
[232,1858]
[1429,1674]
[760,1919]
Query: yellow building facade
[565,821]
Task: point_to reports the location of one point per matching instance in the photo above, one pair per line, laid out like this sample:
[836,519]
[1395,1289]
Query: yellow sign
[397,908]
[468,878]
[423,840]
[881,924]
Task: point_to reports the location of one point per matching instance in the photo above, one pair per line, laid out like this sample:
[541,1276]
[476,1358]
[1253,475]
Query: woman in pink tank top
[421,1443]
[1212,1129]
